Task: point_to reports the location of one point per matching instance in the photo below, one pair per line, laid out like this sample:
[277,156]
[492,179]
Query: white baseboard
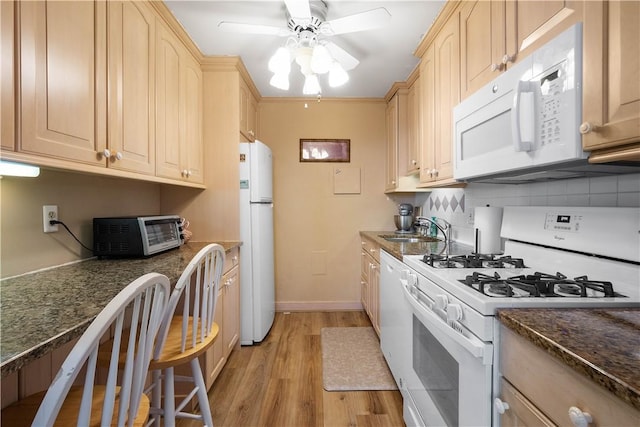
[318,306]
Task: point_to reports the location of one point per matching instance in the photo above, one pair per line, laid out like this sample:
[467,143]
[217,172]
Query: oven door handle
[472,344]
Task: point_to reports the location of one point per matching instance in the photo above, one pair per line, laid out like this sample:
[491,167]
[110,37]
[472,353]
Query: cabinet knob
[184,173]
[497,67]
[501,406]
[393,182]
[508,58]
[251,133]
[106,153]
[579,418]
[414,162]
[118,155]
[587,127]
[435,172]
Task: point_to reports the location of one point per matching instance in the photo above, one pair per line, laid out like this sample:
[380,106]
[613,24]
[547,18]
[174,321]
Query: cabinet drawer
[231,259]
[371,248]
[553,387]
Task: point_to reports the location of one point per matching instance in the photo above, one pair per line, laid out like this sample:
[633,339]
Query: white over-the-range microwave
[524,125]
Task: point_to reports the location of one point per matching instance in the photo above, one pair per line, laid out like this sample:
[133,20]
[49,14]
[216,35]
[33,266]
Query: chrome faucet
[423,221]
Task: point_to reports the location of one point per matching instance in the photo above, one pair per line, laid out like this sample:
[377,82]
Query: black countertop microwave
[136,236]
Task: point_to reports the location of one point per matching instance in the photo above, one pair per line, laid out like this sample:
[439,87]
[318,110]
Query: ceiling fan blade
[298,9]
[343,57]
[237,27]
[369,20]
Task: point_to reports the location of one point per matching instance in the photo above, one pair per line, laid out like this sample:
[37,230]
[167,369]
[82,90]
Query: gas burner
[473,261]
[539,285]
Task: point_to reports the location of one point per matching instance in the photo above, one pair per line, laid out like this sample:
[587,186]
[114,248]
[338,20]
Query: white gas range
[555,257]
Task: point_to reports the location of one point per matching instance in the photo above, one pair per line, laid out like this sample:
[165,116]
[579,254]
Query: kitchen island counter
[399,249]
[43,310]
[600,344]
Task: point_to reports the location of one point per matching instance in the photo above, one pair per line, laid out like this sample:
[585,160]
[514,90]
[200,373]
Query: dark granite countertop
[43,310]
[601,344]
[398,250]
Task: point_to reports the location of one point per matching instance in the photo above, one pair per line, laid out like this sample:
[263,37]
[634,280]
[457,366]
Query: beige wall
[80,198]
[317,245]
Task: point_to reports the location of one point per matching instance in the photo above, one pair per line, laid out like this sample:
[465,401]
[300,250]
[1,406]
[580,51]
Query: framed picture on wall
[325,150]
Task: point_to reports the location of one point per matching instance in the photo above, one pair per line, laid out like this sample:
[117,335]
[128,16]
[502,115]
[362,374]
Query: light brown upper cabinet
[7,82]
[496,34]
[131,100]
[611,97]
[63,80]
[178,110]
[440,83]
[248,113]
[396,125]
[414,131]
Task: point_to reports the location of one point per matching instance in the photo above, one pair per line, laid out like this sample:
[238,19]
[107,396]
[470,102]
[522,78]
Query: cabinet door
[428,101]
[7,80]
[413,128]
[63,79]
[131,87]
[214,357]
[168,114]
[482,43]
[248,111]
[391,181]
[447,88]
[530,24]
[231,310]
[374,296]
[521,412]
[192,149]
[611,97]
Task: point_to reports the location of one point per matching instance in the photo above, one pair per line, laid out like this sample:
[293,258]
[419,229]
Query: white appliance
[257,282]
[527,118]
[555,257]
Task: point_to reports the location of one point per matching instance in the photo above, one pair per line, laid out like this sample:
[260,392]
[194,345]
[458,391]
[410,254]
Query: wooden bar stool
[121,401]
[187,331]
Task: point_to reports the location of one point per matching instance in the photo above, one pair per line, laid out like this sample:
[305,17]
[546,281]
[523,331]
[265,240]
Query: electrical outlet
[49,213]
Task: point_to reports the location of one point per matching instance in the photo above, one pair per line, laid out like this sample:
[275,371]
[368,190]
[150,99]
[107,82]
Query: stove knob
[441,302]
[579,418]
[454,312]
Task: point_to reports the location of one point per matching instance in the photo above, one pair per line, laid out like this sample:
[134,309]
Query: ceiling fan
[308,32]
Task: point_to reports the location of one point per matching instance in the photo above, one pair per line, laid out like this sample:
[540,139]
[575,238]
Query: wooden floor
[278,383]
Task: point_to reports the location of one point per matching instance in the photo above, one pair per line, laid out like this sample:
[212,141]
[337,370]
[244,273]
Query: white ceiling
[385,55]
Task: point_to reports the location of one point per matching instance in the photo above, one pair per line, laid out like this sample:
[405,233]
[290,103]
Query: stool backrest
[195,294]
[143,303]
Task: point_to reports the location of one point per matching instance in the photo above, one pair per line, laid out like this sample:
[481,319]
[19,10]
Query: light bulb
[280,81]
[320,60]
[337,75]
[311,85]
[280,62]
[303,58]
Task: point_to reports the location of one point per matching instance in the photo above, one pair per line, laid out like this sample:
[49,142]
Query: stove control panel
[562,222]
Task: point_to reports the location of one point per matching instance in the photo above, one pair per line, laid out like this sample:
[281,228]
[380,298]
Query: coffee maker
[404,219]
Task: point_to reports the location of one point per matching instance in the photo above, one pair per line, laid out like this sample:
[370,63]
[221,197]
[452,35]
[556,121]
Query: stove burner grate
[539,285]
[472,261]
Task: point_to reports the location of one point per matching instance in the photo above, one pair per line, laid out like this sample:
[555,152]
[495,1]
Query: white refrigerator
[257,278]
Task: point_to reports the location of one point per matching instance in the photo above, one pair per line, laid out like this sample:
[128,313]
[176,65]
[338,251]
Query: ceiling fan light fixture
[311,85]
[337,75]
[320,60]
[280,81]
[303,59]
[280,62]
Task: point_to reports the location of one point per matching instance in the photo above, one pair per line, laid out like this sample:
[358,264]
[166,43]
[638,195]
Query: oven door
[452,370]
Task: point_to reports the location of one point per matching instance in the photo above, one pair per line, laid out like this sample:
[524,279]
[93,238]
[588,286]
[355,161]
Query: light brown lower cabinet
[541,390]
[370,281]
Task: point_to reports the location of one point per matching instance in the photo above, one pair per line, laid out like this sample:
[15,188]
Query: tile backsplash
[457,205]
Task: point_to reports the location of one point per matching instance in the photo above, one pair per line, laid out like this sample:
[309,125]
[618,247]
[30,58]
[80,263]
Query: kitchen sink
[408,239]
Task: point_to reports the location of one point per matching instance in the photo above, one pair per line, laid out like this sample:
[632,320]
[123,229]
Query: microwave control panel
[552,86]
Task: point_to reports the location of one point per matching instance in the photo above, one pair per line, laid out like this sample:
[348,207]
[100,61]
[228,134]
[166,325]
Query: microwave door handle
[521,143]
